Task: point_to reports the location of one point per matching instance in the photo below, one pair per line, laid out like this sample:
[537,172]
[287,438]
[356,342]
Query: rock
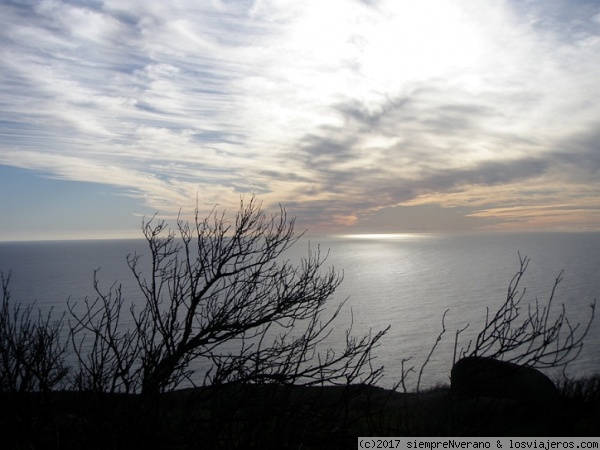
[488,377]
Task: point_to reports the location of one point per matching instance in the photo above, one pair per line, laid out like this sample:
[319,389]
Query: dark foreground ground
[270,416]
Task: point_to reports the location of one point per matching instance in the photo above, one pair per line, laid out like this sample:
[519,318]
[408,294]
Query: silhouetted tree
[532,334]
[32,357]
[221,291]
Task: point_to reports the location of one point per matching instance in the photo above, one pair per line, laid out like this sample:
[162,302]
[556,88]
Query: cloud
[341,110]
[424,218]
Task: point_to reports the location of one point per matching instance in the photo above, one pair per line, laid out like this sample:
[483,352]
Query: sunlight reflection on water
[403,280]
[408,282]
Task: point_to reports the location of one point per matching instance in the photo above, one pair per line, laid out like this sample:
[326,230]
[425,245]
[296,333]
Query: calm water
[406,281]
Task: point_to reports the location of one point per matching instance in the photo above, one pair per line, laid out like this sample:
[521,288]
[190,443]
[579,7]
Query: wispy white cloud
[338,109]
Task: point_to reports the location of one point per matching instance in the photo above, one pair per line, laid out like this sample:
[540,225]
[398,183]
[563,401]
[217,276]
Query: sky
[358,116]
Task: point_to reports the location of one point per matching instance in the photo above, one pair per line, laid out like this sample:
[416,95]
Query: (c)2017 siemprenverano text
[370,443]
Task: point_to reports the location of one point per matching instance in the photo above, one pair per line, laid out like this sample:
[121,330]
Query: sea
[425,287]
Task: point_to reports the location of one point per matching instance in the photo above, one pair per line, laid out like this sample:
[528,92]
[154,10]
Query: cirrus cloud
[343,111]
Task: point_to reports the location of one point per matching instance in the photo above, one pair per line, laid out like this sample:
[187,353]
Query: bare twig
[535,335]
[433,347]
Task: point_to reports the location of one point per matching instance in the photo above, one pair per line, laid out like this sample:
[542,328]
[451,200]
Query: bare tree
[31,352]
[533,334]
[107,361]
[222,291]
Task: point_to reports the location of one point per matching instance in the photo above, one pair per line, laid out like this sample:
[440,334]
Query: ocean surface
[406,281]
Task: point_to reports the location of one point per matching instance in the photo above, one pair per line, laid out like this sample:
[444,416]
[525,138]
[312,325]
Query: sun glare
[368,51]
[412,43]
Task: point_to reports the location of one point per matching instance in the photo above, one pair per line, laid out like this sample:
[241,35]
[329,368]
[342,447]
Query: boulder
[487,377]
